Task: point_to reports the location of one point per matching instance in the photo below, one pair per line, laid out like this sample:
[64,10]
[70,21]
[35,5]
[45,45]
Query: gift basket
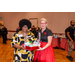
[31,44]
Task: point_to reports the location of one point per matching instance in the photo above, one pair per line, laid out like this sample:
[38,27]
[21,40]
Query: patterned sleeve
[14,40]
[32,35]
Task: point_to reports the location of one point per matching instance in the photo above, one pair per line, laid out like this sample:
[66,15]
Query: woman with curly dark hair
[20,54]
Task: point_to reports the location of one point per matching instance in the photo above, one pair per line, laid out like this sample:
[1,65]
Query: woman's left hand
[39,49]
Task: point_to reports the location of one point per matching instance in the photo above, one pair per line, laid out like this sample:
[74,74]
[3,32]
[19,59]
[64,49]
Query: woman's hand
[21,47]
[40,49]
[18,46]
[72,41]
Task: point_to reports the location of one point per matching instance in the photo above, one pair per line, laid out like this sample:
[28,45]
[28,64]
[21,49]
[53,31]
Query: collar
[73,28]
[44,30]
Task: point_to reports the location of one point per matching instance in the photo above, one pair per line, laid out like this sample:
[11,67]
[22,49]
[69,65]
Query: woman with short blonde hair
[45,53]
[43,19]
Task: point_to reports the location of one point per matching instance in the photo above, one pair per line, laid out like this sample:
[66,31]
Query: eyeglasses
[42,23]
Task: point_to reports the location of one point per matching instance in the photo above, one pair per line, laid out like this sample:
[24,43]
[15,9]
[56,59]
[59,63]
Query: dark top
[45,34]
[0,32]
[4,31]
[33,30]
[71,30]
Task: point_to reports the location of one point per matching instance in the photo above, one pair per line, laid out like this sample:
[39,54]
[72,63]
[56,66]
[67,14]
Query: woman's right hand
[18,46]
[21,47]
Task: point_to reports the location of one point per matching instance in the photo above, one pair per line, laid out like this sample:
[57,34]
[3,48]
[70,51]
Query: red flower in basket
[45,33]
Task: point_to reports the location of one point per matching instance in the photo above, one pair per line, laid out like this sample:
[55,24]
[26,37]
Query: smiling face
[43,24]
[25,28]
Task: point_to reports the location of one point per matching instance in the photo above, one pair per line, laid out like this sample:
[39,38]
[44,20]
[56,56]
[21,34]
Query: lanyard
[72,28]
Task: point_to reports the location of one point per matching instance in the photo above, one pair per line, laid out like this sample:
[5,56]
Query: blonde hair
[43,19]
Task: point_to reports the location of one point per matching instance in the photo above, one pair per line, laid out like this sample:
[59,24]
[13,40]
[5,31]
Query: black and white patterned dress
[21,55]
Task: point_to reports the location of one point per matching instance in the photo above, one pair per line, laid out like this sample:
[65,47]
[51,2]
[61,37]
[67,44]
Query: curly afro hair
[24,22]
